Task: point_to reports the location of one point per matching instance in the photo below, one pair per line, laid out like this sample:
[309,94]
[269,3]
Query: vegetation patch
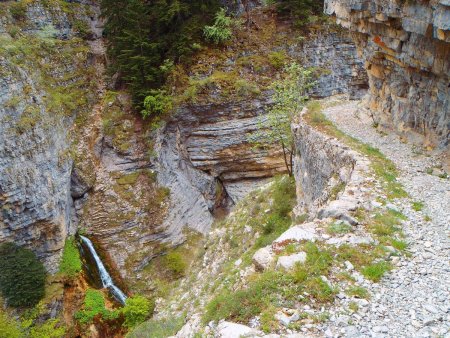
[70,265]
[358,292]
[158,328]
[22,281]
[417,206]
[375,271]
[338,228]
[136,310]
[94,305]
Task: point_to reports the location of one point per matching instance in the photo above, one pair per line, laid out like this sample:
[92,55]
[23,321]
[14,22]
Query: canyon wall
[40,56]
[74,156]
[406,48]
[203,153]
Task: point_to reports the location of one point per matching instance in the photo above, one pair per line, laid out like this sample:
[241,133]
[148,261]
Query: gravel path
[413,300]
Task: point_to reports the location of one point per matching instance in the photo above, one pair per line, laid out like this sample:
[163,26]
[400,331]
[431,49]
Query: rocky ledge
[406,47]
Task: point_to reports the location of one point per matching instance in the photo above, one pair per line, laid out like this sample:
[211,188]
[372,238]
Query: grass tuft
[375,271]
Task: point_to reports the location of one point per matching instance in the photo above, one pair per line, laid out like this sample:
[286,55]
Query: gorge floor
[413,300]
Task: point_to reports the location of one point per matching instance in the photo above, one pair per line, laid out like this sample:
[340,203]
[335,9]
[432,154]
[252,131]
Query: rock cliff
[203,152]
[40,94]
[406,48]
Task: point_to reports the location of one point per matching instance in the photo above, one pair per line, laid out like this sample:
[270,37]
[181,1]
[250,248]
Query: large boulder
[288,262]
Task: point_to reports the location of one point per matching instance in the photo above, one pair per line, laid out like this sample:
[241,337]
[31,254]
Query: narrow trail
[414,299]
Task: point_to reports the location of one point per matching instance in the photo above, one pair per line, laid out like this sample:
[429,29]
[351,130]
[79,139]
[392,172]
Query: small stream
[104,276]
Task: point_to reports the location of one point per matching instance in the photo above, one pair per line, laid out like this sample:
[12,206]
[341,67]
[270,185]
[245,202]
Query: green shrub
[339,228]
[94,304]
[82,28]
[302,12]
[18,10]
[277,59]
[48,329]
[175,263]
[320,290]
[284,195]
[136,310]
[71,262]
[418,206]
[8,327]
[221,30]
[158,102]
[242,305]
[22,278]
[246,89]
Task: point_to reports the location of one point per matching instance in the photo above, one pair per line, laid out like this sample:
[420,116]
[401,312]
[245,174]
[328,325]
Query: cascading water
[106,279]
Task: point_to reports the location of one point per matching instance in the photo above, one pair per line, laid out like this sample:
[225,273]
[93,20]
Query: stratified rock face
[334,55]
[203,153]
[35,165]
[207,161]
[406,46]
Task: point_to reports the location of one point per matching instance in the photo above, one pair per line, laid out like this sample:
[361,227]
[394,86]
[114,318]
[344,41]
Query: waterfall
[106,279]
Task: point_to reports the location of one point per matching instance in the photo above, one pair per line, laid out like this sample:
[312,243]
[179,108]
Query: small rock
[382,329]
[431,308]
[263,258]
[348,266]
[233,330]
[285,319]
[238,262]
[392,207]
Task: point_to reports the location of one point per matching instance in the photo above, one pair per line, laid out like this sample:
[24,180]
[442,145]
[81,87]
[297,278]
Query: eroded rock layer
[406,46]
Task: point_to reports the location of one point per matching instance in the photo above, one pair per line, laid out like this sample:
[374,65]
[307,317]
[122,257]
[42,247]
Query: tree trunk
[289,169]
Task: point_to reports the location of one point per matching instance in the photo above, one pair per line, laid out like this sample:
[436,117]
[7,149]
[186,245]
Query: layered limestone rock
[203,153]
[36,113]
[406,47]
[207,161]
[334,54]
[325,169]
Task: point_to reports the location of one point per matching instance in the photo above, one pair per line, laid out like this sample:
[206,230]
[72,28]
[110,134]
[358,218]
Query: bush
[301,11]
[220,32]
[277,59]
[260,294]
[22,278]
[71,262]
[284,195]
[158,102]
[175,263]
[18,10]
[8,327]
[48,329]
[94,304]
[136,310]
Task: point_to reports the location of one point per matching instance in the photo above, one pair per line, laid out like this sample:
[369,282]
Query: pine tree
[22,277]
[142,35]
